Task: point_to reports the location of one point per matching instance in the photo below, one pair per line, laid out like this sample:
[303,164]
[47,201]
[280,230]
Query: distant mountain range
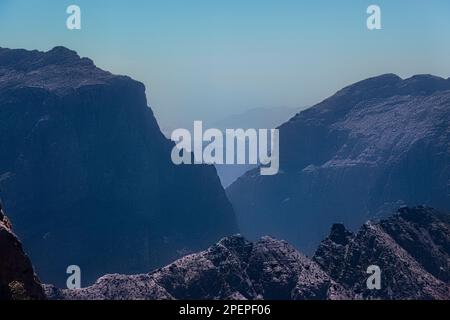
[373,146]
[412,250]
[257,118]
[86,174]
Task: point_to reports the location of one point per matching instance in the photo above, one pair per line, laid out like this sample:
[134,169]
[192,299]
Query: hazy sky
[205,59]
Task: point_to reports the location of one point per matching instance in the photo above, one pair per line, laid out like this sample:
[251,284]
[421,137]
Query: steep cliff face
[88,179]
[17,278]
[232,269]
[411,249]
[370,148]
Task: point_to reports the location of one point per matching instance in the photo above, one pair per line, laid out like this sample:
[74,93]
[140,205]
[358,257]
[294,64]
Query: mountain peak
[381,81]
[62,50]
[390,84]
[385,77]
[63,55]
[25,60]
[339,234]
[59,69]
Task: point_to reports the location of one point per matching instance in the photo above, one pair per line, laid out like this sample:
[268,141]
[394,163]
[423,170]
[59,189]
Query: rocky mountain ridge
[411,249]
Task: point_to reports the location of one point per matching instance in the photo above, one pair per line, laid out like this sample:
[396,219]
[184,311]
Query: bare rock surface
[232,269]
[410,248]
[17,278]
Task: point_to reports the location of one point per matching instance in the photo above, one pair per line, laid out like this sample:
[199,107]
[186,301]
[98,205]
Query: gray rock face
[87,177]
[410,248]
[232,269]
[17,278]
[365,151]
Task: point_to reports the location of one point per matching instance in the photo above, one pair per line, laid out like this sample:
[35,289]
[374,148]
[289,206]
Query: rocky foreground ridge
[412,250]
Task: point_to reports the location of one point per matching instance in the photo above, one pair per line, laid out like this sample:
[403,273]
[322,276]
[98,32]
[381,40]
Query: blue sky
[207,59]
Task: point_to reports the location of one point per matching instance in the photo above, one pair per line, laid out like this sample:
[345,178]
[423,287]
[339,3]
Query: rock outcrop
[87,177]
[411,249]
[17,278]
[370,148]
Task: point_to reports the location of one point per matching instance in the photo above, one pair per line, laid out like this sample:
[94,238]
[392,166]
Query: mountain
[257,118]
[373,146]
[87,177]
[412,249]
[17,278]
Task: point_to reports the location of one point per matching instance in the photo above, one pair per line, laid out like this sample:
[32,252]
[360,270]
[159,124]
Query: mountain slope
[87,178]
[17,278]
[412,267]
[369,148]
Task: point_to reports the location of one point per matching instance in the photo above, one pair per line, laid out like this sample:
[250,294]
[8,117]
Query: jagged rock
[238,269]
[411,249]
[17,278]
[232,269]
[87,177]
[360,154]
